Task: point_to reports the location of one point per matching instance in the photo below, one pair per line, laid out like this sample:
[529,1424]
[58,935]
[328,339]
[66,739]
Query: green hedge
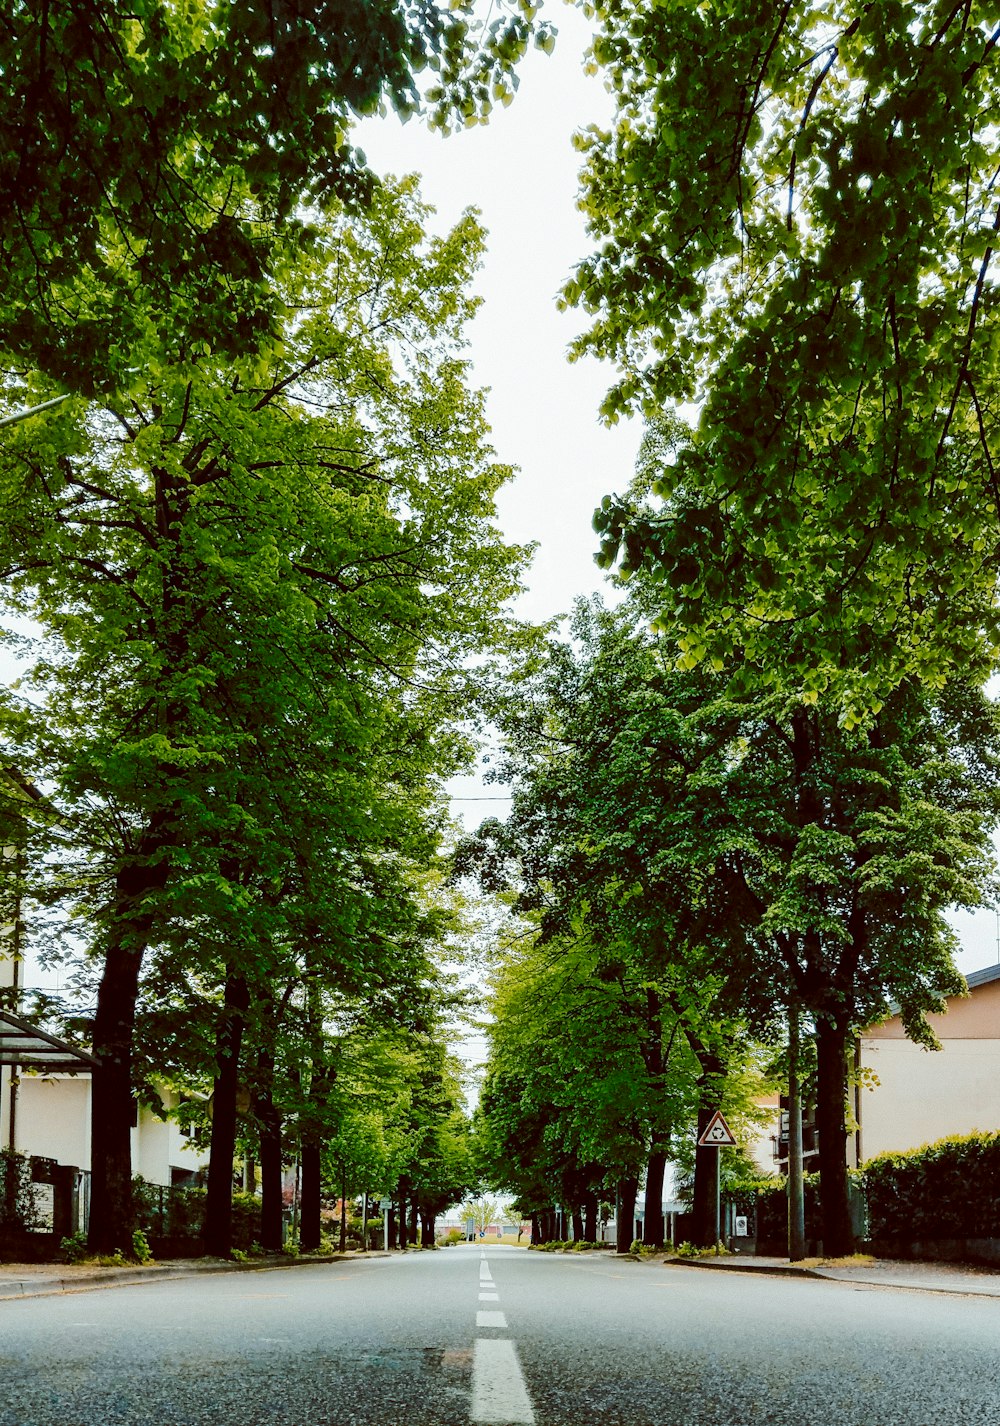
[772,1214]
[178,1214]
[950,1189]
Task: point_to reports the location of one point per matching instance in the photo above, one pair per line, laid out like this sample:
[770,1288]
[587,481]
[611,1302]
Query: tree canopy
[260,579]
[182,149]
[797,219]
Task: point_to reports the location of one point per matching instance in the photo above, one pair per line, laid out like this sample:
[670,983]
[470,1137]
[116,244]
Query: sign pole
[717,1135]
[718,1198]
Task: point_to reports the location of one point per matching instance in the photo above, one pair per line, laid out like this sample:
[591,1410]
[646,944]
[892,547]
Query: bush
[18,1203]
[948,1189]
[772,1214]
[74,1249]
[179,1214]
[246,1220]
[140,1247]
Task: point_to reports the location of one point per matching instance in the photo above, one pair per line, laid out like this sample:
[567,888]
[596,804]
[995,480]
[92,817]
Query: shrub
[948,1189]
[246,1220]
[74,1249]
[140,1247]
[18,1203]
[772,1214]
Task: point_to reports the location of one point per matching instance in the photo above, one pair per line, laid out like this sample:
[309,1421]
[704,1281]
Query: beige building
[922,1095]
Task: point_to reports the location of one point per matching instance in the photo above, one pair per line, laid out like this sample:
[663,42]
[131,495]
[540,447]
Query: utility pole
[796,1192]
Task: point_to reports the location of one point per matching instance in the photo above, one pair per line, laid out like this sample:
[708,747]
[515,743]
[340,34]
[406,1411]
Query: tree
[164,159]
[259,579]
[854,845]
[832,522]
[737,856]
[587,1080]
[620,832]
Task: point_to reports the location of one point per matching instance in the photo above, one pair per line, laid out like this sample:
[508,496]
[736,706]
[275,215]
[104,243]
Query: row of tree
[245,563]
[795,225]
[689,867]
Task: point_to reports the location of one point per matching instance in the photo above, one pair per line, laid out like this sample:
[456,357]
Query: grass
[853,1260]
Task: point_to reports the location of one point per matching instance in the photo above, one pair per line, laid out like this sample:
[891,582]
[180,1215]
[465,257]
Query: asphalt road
[499,1337]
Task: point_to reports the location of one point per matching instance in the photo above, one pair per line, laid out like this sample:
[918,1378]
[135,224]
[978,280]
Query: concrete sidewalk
[44,1279]
[963,1278]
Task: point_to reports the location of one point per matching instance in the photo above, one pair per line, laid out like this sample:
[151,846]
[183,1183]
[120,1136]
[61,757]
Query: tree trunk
[310,1193]
[112,1216]
[414,1219]
[393,1236]
[343,1217]
[831,1100]
[218,1233]
[427,1229]
[652,1226]
[536,1228]
[590,1218]
[404,1227]
[576,1215]
[269,1119]
[310,1151]
[628,1187]
[112,1213]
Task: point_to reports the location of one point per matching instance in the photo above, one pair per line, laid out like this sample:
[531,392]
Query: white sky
[520,171]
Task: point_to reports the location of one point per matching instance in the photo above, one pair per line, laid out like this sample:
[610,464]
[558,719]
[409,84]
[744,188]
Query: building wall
[53,1118]
[158,1147]
[760,1148]
[923,1095]
[53,1122]
[976,1017]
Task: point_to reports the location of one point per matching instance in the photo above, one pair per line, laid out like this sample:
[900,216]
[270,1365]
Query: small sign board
[385,1204]
[740,1227]
[717,1133]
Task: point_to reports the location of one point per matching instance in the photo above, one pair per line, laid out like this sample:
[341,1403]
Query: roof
[983,977]
[22,1043]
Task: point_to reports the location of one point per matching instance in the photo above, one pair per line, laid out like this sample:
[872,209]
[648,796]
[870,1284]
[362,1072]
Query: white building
[45,1109]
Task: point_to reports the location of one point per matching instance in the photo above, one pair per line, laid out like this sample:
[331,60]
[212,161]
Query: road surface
[496,1336]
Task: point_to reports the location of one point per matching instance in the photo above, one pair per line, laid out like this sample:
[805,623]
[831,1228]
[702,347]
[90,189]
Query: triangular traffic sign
[717,1133]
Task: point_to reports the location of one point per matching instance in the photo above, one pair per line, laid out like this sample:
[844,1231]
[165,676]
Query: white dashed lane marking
[486,1318]
[499,1394]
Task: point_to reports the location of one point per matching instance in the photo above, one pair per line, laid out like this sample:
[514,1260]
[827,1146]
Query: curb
[767,1269]
[777,1270]
[14,1289]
